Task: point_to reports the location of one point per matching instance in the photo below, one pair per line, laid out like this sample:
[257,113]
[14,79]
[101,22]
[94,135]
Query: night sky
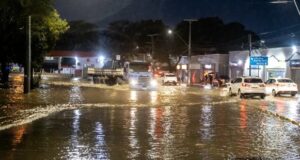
[257,15]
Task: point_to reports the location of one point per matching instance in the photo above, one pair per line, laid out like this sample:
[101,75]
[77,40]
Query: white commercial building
[282,62]
[202,65]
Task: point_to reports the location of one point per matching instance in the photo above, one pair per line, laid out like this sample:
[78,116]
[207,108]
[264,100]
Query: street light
[189,45]
[286,2]
[171,32]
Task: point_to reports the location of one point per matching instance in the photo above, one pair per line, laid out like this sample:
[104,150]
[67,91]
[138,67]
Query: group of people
[213,80]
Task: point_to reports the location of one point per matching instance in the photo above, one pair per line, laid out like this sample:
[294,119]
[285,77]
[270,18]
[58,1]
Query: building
[72,62]
[202,65]
[282,62]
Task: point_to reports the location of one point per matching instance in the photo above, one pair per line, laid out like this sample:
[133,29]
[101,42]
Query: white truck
[140,76]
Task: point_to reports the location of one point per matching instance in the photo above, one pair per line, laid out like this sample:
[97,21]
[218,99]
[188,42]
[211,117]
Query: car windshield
[253,80]
[139,67]
[285,81]
[170,75]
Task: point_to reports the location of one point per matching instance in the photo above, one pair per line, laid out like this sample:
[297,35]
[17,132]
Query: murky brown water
[73,122]
[195,132]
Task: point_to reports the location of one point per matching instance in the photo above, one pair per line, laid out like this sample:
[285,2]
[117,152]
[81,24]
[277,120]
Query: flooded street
[175,122]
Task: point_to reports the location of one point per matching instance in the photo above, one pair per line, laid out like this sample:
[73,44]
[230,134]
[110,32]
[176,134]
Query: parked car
[277,86]
[247,86]
[169,78]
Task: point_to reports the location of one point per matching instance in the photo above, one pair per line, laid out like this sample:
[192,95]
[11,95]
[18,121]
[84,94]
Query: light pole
[190,48]
[152,42]
[27,70]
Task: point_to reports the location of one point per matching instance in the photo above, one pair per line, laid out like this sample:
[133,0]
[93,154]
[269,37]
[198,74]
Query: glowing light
[294,49]
[178,67]
[208,66]
[153,83]
[101,59]
[184,66]
[133,82]
[240,62]
[170,31]
[280,2]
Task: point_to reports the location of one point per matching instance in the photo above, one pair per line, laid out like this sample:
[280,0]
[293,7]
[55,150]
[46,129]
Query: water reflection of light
[293,109]
[206,120]
[75,95]
[279,107]
[156,131]
[133,141]
[153,97]
[18,135]
[100,142]
[74,151]
[243,115]
[133,96]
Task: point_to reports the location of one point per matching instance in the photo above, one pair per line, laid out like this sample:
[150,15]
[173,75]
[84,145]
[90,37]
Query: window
[238,80]
[253,80]
[285,81]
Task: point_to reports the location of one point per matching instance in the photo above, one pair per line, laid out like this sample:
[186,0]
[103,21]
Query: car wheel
[262,96]
[230,92]
[240,94]
[274,94]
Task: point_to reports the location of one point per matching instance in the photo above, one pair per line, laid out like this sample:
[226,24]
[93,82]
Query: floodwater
[72,122]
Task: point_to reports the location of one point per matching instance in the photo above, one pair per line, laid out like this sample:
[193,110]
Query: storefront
[204,66]
[282,63]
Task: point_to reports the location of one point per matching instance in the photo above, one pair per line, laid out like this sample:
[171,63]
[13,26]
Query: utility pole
[27,70]
[190,48]
[250,50]
[152,43]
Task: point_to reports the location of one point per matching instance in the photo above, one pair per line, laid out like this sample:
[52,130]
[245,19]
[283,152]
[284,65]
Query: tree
[212,35]
[127,38]
[81,36]
[47,27]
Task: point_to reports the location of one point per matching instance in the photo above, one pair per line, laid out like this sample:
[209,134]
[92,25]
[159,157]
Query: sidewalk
[286,108]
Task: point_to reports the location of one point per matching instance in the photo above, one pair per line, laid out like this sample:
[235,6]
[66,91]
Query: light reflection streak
[75,95]
[243,115]
[293,109]
[133,141]
[153,97]
[100,142]
[133,96]
[206,120]
[74,151]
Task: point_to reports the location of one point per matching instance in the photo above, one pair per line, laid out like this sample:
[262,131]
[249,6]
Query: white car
[169,78]
[247,86]
[277,86]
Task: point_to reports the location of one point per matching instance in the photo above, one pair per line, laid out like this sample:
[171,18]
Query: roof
[58,53]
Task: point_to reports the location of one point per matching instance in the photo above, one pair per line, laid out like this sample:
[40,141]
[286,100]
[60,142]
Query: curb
[279,116]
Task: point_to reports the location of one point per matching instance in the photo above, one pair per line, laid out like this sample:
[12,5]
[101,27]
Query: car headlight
[133,82]
[153,83]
